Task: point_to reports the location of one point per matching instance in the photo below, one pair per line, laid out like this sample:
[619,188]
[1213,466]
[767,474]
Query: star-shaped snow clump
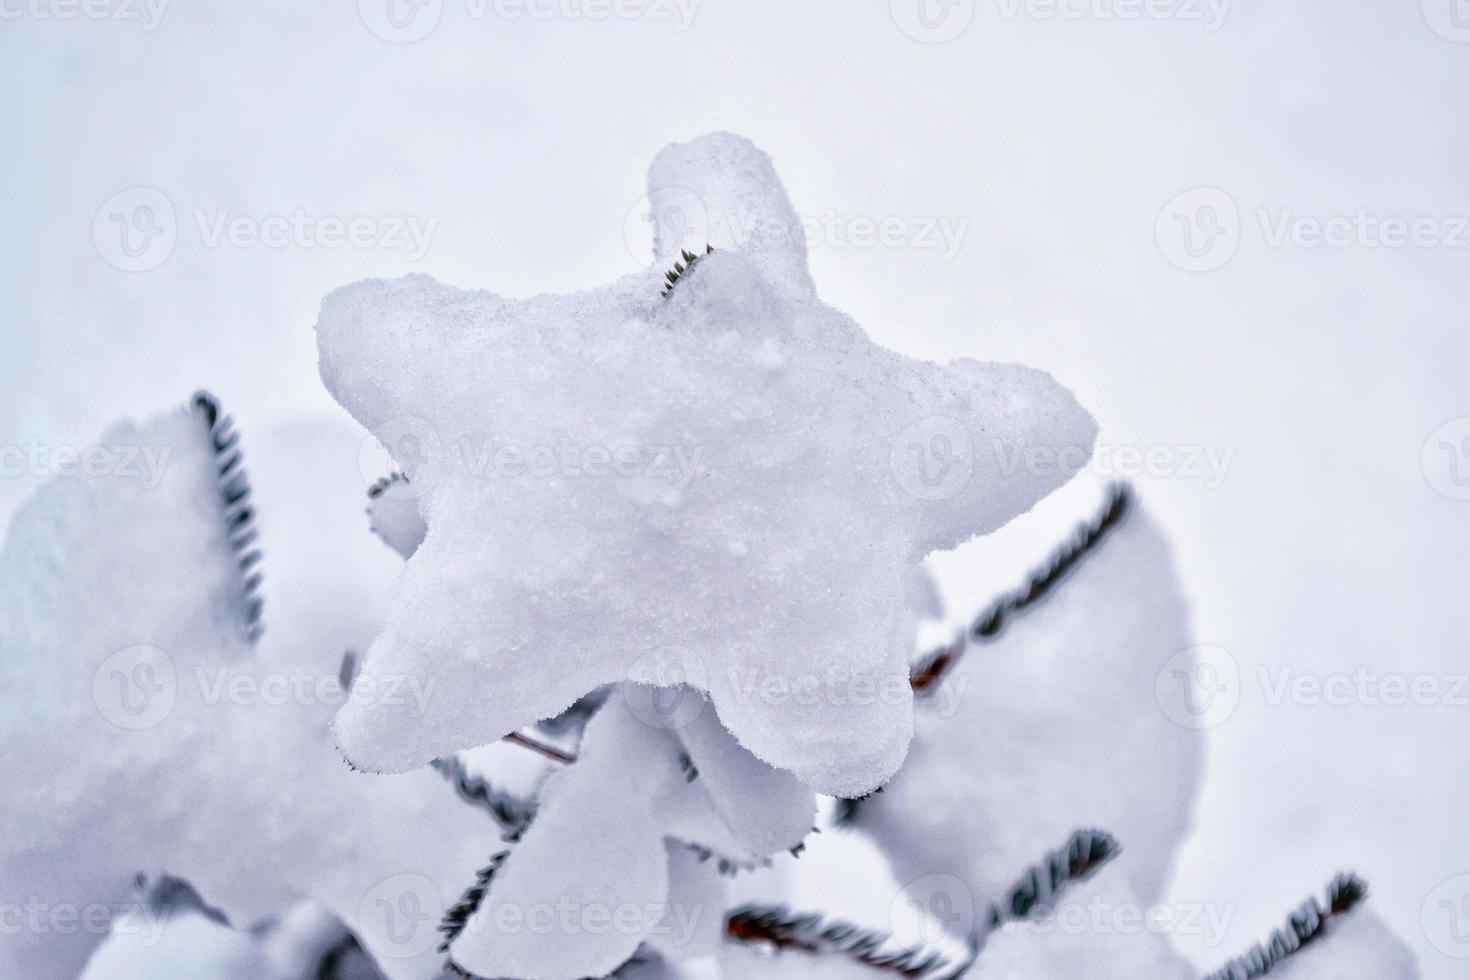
[722,488]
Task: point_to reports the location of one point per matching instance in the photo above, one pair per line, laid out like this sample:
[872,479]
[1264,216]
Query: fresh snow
[724,488]
[153,738]
[1054,725]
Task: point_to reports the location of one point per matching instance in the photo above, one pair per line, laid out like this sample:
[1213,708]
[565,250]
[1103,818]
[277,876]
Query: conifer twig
[1086,539]
[458,915]
[682,269]
[549,751]
[512,812]
[781,929]
[239,513]
[1305,925]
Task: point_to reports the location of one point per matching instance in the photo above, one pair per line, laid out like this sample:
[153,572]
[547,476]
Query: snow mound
[307,943]
[141,731]
[1357,946]
[725,487]
[627,847]
[1053,725]
[1096,928]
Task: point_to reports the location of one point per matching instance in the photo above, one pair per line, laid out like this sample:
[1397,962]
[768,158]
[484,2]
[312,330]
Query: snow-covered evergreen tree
[654,646]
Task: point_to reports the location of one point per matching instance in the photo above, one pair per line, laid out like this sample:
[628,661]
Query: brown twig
[550,751]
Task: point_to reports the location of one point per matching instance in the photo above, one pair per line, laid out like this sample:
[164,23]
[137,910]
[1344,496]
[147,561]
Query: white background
[1058,141]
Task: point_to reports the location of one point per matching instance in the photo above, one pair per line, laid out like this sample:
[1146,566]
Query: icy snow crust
[724,488]
[247,800]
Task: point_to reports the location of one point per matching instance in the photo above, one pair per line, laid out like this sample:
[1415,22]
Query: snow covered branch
[1087,538]
[1308,923]
[238,513]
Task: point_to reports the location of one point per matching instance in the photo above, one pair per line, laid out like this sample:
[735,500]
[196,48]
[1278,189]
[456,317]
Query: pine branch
[347,669]
[239,515]
[347,960]
[807,932]
[682,269]
[726,866]
[1307,924]
[641,957]
[458,915]
[1086,539]
[574,719]
[1084,852]
[549,751]
[166,894]
[512,812]
[782,930]
[385,483]
[800,848]
[847,807]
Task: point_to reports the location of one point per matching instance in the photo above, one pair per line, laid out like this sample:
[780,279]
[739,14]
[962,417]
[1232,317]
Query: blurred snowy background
[1236,229]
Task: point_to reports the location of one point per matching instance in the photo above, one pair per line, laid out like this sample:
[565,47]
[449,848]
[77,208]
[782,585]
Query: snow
[766,810]
[731,483]
[1054,725]
[1356,946]
[747,962]
[155,942]
[394,515]
[1096,928]
[589,881]
[153,738]
[627,836]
